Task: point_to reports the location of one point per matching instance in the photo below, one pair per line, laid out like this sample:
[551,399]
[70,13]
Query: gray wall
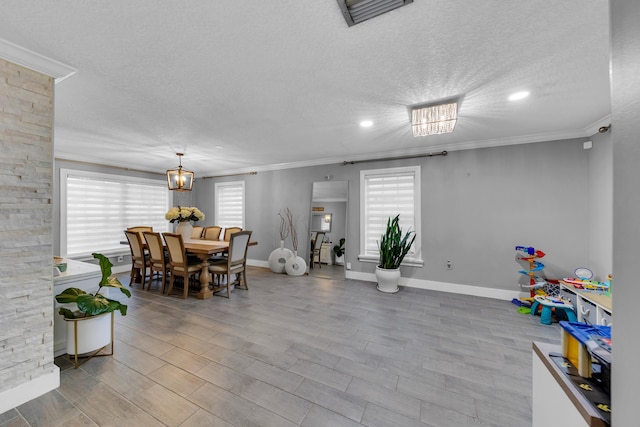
[625,15]
[477,205]
[600,204]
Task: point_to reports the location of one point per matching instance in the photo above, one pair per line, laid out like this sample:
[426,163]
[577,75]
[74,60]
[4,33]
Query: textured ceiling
[256,85]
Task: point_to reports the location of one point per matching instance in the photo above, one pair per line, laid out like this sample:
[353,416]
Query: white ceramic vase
[388,280]
[278,258]
[185,228]
[295,266]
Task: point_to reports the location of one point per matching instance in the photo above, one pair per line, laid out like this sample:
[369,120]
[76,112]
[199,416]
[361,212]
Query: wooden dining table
[204,249]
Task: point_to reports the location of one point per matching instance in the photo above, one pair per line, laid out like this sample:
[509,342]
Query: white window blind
[386,193]
[230,204]
[96,208]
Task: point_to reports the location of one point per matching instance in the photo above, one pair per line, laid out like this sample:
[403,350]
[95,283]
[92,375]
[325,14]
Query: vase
[278,258]
[295,266]
[185,228]
[388,279]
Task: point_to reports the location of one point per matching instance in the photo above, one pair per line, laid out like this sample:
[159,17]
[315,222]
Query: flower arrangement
[184,214]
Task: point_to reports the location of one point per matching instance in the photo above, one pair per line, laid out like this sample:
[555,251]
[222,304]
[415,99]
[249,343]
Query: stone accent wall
[26,229]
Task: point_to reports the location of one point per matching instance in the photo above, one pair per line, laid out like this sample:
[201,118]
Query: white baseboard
[121,268]
[25,392]
[454,288]
[258,263]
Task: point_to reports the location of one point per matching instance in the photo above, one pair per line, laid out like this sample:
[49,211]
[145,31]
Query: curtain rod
[353,162]
[232,174]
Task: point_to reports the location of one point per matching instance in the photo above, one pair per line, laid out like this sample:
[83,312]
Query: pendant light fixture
[180,179]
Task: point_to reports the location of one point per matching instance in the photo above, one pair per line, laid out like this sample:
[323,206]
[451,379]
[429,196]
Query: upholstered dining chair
[317,245]
[236,262]
[139,259]
[197,232]
[158,258]
[179,263]
[229,231]
[140,228]
[212,233]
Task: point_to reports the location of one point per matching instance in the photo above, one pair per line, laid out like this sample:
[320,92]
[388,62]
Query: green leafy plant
[94,304]
[393,246]
[339,249]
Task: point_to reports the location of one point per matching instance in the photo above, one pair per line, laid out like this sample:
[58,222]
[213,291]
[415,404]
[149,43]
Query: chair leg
[186,286]
[171,279]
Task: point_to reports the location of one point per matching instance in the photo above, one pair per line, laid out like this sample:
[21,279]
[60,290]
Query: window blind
[230,204]
[96,208]
[387,193]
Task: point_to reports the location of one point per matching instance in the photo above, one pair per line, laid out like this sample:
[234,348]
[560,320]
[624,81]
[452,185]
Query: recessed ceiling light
[366,123]
[519,95]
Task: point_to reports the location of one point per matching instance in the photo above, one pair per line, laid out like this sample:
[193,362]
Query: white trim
[34,61]
[258,263]
[29,390]
[454,288]
[406,262]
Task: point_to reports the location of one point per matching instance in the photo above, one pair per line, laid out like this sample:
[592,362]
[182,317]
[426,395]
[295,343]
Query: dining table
[204,249]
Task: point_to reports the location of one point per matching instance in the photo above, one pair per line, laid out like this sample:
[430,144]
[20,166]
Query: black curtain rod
[233,174]
[353,162]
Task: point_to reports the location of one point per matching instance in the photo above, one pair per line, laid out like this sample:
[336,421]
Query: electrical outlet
[348,266]
[120,258]
[449,264]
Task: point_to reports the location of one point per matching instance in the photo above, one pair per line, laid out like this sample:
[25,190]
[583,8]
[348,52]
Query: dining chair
[236,262]
[158,258]
[212,233]
[179,263]
[315,252]
[229,231]
[197,232]
[139,259]
[140,228]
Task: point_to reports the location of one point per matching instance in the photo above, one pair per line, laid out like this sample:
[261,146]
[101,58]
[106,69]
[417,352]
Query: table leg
[205,278]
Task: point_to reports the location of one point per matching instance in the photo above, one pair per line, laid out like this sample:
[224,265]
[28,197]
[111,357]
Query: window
[95,209]
[385,193]
[230,204]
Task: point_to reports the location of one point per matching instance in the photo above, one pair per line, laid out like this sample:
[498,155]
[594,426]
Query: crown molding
[34,61]
[594,127]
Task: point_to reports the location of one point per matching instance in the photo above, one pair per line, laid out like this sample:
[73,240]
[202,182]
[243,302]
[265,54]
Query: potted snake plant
[89,327]
[393,246]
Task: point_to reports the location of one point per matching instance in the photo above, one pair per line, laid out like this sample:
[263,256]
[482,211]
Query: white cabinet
[593,308]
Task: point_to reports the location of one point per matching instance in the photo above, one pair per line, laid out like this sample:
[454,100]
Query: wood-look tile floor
[303,351]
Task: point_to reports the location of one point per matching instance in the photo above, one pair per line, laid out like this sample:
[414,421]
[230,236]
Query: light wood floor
[303,351]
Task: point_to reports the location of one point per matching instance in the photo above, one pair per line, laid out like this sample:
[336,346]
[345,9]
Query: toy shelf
[591,307]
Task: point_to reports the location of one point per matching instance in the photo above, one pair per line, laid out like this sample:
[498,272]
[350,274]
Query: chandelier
[180,179]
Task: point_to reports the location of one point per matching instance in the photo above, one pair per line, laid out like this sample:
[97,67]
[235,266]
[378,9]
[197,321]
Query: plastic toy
[530,254]
[548,305]
[583,281]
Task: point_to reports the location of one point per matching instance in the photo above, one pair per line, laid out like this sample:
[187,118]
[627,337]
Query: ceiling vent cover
[357,11]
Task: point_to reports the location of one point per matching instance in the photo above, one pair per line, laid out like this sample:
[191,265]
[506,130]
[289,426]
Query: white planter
[295,266]
[89,333]
[388,280]
[186,229]
[278,258]
[340,260]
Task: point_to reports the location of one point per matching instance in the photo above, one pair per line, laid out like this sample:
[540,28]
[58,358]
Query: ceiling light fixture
[366,123]
[180,179]
[434,119]
[519,95]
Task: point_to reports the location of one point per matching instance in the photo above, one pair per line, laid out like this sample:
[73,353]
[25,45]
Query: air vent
[357,11]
